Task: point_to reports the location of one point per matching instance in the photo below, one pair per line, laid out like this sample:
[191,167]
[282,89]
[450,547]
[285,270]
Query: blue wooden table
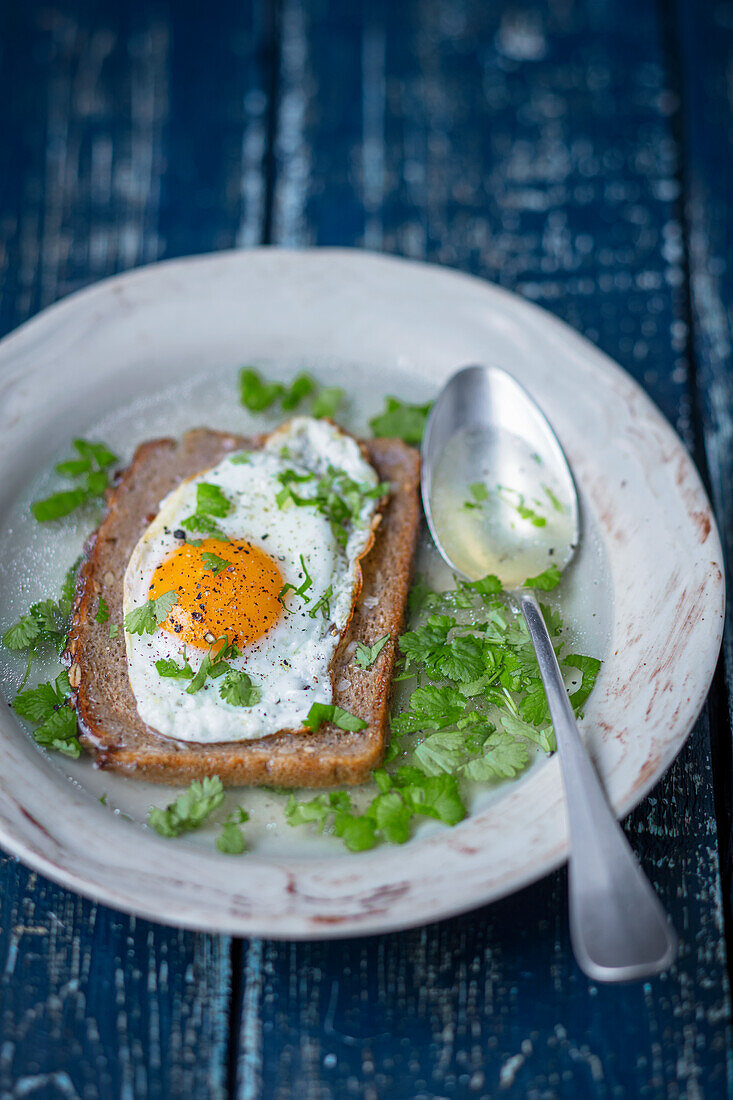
[579,152]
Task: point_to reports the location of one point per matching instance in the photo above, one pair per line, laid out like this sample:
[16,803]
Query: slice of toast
[109,724]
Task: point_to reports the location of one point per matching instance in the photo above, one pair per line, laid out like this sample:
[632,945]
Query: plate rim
[68,877]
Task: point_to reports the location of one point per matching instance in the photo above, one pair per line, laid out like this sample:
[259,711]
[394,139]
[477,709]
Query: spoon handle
[618,928]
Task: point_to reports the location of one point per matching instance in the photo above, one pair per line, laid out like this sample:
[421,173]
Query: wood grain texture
[537,146]
[106,108]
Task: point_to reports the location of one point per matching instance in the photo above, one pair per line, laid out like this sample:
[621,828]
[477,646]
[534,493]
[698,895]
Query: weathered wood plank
[535,145]
[706,56]
[130,133]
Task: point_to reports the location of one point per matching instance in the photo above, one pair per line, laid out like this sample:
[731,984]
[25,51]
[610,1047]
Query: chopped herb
[189,810]
[545,581]
[231,840]
[256,394]
[399,420]
[113,630]
[214,663]
[47,707]
[244,458]
[366,655]
[103,798]
[237,689]
[478,491]
[301,591]
[94,458]
[556,504]
[327,402]
[146,619]
[302,386]
[216,564]
[171,670]
[337,497]
[102,611]
[211,501]
[323,604]
[329,712]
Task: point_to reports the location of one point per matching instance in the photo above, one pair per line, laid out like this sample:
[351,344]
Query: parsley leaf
[190,809]
[400,420]
[366,655]
[329,712]
[237,689]
[213,562]
[214,663]
[317,810]
[546,580]
[21,634]
[357,833]
[501,758]
[256,394]
[146,619]
[58,504]
[102,611]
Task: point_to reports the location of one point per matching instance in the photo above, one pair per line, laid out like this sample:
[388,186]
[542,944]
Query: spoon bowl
[497,490]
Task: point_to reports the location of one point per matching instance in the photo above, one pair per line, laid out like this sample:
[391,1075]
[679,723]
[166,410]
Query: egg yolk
[237,599]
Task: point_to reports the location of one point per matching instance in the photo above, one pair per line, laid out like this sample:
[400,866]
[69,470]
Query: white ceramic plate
[651,564]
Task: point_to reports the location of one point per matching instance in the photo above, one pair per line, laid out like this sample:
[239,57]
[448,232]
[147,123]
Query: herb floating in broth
[89,470]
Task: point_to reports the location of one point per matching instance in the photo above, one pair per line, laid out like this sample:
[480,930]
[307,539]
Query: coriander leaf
[400,420]
[68,590]
[190,809]
[441,752]
[515,726]
[317,810]
[102,611]
[431,708]
[329,712]
[96,483]
[546,580]
[323,604]
[392,816]
[501,758]
[357,833]
[533,707]
[211,501]
[431,795]
[169,669]
[461,659]
[96,452]
[146,619]
[302,386]
[486,586]
[58,732]
[213,562]
[327,402]
[237,689]
[478,491]
[366,655]
[589,668]
[201,522]
[74,467]
[21,634]
[231,841]
[37,704]
[114,630]
[58,504]
[244,458]
[254,393]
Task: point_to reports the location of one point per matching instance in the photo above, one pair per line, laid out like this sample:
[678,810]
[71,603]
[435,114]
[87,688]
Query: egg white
[290,664]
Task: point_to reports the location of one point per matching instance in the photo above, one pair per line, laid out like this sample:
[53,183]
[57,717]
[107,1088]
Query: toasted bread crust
[110,726]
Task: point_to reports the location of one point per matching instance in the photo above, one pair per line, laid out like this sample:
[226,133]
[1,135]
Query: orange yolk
[240,601]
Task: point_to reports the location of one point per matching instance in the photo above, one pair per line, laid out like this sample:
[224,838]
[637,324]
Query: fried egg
[239,581]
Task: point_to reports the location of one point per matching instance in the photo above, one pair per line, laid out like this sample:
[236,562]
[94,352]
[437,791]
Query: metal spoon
[485,429]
